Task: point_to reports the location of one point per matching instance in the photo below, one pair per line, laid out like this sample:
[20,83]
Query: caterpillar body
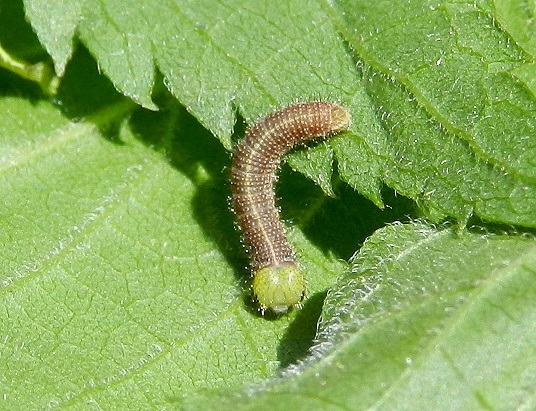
[278,283]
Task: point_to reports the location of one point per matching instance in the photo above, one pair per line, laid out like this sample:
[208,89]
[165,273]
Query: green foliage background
[123,280]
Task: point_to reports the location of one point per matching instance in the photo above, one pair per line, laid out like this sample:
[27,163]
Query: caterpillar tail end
[279,287]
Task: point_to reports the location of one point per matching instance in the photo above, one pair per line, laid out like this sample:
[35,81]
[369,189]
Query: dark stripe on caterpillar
[278,283]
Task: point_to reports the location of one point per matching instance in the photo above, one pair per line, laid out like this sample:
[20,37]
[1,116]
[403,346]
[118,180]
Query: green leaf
[458,65]
[461,87]
[517,17]
[123,281]
[424,319]
[450,88]
[121,267]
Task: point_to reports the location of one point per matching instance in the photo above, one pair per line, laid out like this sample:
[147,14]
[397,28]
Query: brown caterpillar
[278,283]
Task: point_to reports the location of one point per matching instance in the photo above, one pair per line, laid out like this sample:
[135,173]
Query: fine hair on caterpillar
[278,283]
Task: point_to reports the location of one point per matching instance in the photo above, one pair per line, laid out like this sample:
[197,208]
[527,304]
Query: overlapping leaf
[461,87]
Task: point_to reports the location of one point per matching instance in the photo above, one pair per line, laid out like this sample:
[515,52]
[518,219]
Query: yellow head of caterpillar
[279,287]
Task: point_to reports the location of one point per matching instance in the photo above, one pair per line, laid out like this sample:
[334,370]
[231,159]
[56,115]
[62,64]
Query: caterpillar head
[279,287]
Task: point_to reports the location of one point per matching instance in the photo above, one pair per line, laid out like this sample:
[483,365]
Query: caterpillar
[278,283]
